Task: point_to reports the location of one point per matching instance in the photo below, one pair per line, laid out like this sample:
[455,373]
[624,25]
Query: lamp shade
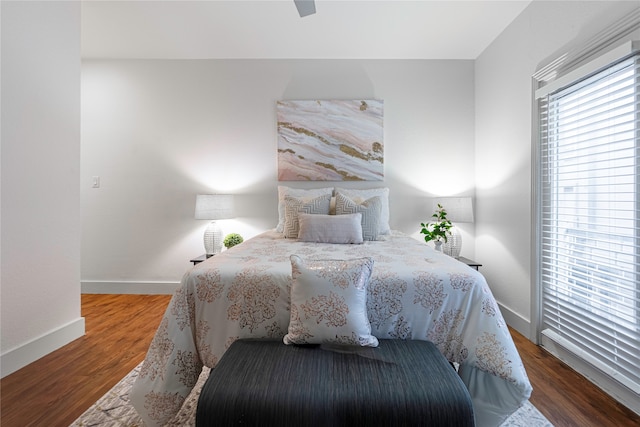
[459,209]
[214,206]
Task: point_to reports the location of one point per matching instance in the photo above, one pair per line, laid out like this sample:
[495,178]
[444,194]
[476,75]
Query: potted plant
[232,239]
[438,229]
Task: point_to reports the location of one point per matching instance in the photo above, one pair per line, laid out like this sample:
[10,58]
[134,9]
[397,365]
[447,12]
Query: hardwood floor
[565,397]
[58,388]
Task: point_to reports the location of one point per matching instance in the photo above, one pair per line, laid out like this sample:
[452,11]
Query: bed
[413,292]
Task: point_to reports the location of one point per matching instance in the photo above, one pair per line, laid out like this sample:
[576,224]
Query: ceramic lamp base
[213,239]
[453,245]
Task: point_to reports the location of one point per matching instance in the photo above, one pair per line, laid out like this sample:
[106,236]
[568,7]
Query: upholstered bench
[399,383]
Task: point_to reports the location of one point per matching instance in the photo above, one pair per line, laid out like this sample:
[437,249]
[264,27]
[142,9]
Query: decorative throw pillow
[370,210]
[299,193]
[293,206]
[330,228]
[329,302]
[358,195]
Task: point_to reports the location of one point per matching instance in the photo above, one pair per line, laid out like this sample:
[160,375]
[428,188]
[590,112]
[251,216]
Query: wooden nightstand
[469,262]
[199,259]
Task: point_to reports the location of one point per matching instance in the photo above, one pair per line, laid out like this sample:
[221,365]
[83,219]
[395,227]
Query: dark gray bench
[399,383]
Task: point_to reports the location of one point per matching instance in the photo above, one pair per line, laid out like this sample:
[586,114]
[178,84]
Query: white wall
[40,275]
[504,114]
[158,132]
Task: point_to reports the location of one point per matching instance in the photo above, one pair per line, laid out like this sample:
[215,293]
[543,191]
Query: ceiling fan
[305,7]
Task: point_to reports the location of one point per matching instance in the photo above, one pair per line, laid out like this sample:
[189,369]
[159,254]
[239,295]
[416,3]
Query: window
[589,219]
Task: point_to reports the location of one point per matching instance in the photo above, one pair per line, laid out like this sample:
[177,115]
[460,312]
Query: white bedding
[414,293]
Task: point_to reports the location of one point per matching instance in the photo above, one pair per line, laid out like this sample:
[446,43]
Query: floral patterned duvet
[414,293]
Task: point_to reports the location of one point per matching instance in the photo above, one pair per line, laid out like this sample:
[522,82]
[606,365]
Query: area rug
[114,410]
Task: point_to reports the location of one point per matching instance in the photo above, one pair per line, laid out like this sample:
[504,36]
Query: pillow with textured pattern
[329,302]
[300,193]
[370,210]
[293,206]
[359,195]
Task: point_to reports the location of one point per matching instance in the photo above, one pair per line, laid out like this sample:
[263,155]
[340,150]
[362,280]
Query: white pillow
[329,302]
[370,210]
[330,228]
[361,195]
[293,206]
[299,193]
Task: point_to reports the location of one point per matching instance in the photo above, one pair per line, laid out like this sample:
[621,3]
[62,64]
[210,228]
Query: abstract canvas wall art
[330,140]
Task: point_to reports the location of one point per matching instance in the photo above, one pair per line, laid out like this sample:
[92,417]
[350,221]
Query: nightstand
[199,259]
[469,262]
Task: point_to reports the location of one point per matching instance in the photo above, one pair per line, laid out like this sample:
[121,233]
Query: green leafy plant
[438,228]
[232,240]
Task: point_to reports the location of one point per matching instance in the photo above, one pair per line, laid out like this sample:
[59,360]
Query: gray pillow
[358,195]
[370,210]
[300,193]
[330,228]
[293,206]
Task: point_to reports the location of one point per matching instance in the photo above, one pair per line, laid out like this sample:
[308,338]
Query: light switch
[95,182]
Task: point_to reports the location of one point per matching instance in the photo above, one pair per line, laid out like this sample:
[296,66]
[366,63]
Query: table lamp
[214,207]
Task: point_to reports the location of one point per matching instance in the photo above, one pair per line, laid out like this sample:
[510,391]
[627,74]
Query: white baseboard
[516,321]
[21,356]
[618,391]
[117,287]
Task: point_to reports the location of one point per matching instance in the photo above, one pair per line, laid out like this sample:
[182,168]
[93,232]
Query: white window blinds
[590,219]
